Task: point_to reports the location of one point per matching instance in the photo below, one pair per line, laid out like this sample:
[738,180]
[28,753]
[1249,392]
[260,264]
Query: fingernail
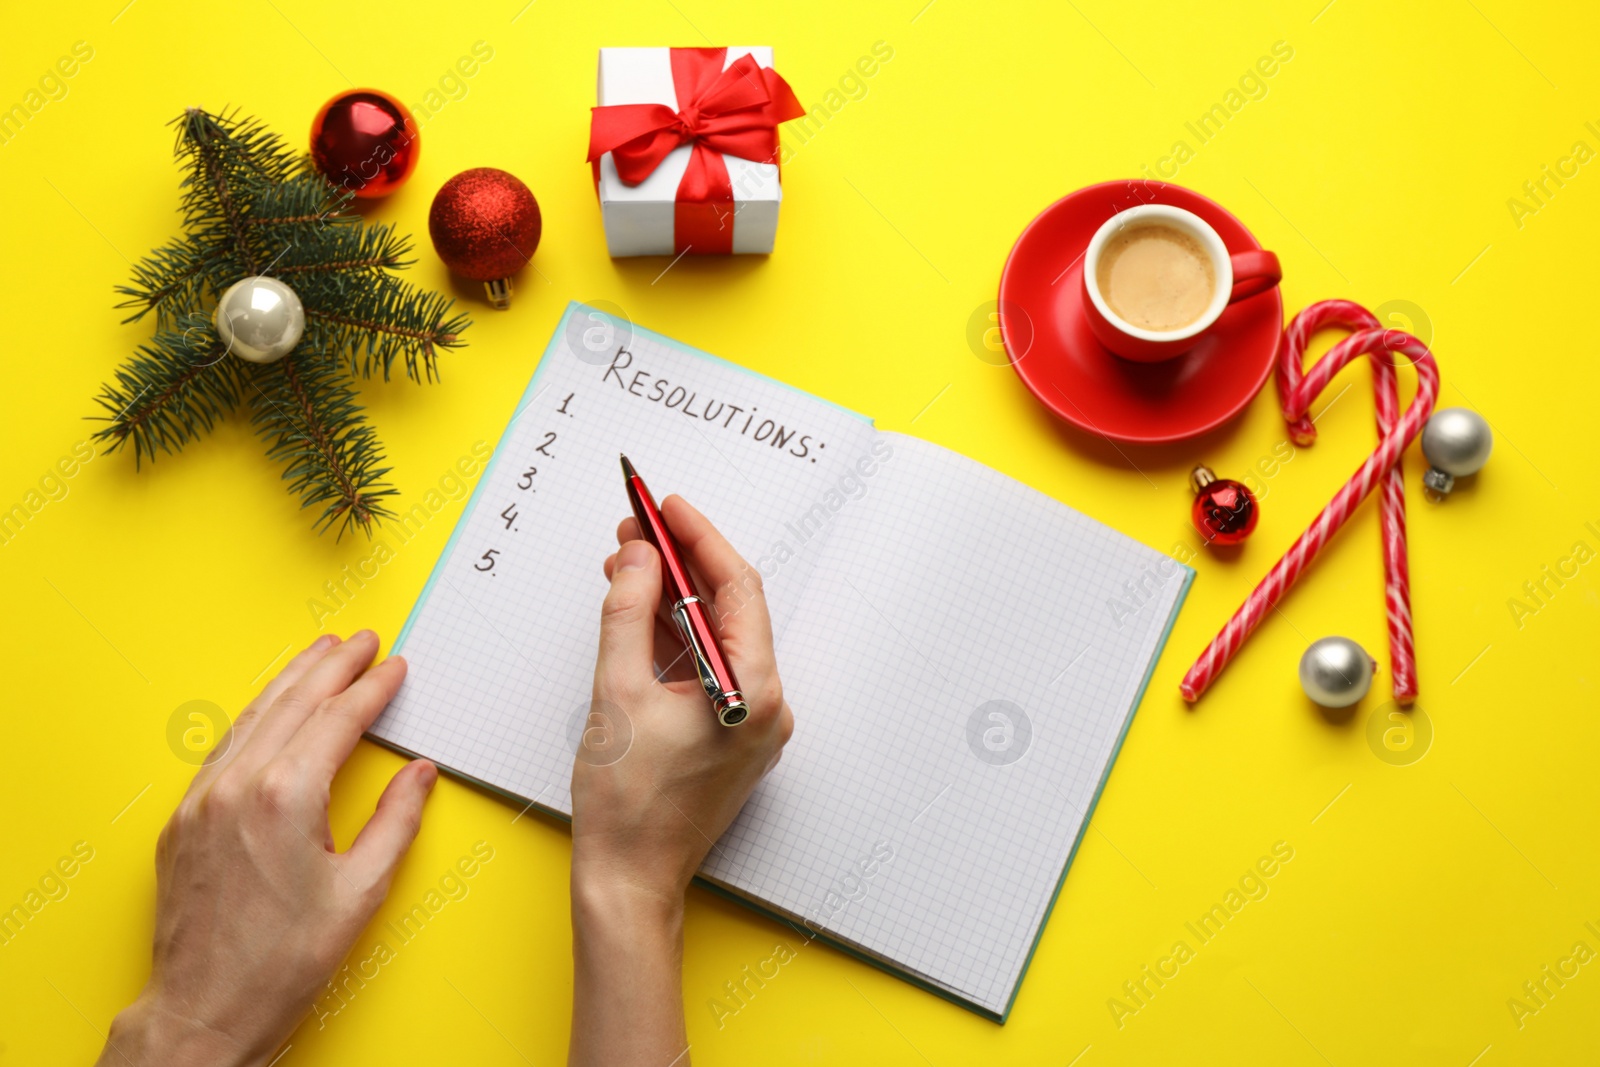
[633,556]
[360,635]
[430,775]
[325,641]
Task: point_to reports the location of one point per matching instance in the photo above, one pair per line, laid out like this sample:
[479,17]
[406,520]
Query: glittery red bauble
[485,224]
[1224,510]
[366,142]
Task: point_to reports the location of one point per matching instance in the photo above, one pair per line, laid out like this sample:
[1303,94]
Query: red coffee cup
[1238,276]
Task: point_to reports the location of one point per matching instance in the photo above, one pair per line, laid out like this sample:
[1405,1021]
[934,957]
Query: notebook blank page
[946,587]
[502,647]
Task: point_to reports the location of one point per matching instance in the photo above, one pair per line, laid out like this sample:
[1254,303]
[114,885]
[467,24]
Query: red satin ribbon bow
[734,111]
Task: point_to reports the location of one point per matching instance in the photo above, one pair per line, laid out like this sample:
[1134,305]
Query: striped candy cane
[1351,316]
[1297,392]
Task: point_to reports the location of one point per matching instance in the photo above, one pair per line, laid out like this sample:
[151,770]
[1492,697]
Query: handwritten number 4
[509,514]
[488,560]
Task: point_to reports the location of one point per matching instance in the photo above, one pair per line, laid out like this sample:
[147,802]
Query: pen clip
[729,705]
[697,652]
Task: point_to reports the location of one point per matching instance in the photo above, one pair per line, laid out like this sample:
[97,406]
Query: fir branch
[364,249]
[173,389]
[221,153]
[247,142]
[230,163]
[307,409]
[339,247]
[251,206]
[369,263]
[175,276]
[285,208]
[373,319]
[331,215]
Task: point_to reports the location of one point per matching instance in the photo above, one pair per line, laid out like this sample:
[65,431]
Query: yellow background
[1378,165]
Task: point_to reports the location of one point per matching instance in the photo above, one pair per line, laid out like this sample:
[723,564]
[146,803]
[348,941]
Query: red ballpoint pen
[694,622]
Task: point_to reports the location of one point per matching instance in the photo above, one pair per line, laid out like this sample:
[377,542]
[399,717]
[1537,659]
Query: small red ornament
[365,141]
[1224,510]
[485,225]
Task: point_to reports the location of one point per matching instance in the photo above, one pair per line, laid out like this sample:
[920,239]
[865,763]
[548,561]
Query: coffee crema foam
[1156,277]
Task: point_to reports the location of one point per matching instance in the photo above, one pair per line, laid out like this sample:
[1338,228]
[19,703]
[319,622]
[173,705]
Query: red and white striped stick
[1351,316]
[1297,392]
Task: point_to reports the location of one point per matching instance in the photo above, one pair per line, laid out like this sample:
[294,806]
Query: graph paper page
[501,645]
[962,666]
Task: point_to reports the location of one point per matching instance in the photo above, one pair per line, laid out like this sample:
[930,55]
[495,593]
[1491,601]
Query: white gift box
[640,219]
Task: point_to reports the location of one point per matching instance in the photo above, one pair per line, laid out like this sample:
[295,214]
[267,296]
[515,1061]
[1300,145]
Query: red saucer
[1078,378]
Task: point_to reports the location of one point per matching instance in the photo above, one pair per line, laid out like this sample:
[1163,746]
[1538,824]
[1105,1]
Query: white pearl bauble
[1336,672]
[260,319]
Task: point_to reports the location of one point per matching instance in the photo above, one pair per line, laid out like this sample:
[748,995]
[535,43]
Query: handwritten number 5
[488,560]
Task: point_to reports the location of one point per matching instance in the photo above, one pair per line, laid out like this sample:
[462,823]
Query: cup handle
[1254,272]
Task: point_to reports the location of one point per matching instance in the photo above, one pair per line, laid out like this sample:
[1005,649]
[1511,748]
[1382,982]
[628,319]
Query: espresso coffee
[1156,277]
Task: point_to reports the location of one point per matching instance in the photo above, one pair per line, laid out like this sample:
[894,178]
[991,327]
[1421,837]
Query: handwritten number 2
[549,439]
[488,560]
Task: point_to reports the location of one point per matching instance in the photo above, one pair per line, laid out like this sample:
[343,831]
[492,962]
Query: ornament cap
[499,293]
[1201,477]
[1438,483]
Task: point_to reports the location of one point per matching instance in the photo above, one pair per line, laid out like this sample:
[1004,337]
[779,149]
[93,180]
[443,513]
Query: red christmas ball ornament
[1224,510]
[485,225]
[366,142]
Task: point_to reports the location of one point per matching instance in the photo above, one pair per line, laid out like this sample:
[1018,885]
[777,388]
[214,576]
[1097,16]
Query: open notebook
[963,654]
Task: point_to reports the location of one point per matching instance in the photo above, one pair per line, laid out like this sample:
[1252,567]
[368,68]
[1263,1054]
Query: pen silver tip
[627,468]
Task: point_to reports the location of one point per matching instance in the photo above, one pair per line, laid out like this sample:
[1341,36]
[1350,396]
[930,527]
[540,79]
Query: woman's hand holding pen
[660,786]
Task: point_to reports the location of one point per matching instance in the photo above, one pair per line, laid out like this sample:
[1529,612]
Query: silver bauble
[260,319]
[1336,672]
[1457,442]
